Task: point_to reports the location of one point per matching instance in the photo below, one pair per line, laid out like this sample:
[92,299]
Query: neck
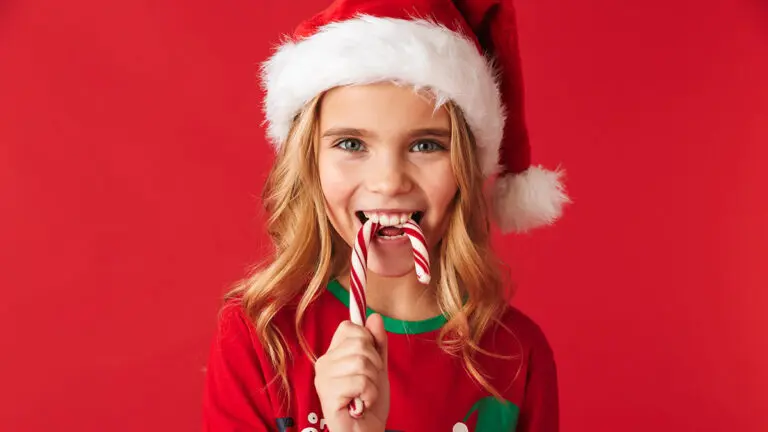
[403,297]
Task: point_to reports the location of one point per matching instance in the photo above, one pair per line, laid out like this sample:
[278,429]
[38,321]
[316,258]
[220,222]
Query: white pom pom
[529,199]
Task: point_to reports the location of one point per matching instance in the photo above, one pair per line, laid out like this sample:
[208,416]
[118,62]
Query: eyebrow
[358,133]
[433,132]
[344,131]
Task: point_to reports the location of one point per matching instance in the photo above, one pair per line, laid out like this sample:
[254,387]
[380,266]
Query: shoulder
[517,335]
[518,354]
[233,323]
[236,344]
[526,329]
[236,321]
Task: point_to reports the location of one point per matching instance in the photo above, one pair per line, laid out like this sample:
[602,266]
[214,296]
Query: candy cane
[358,279]
[357,282]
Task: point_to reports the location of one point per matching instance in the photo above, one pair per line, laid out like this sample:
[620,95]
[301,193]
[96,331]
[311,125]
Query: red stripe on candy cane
[359,294]
[421,264]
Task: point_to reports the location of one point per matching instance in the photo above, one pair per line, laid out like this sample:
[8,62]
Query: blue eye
[350,145]
[426,146]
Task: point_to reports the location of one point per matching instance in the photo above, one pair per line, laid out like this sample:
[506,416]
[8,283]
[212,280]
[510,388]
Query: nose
[389,176]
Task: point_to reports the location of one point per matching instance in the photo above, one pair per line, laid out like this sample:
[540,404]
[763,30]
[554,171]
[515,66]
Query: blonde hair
[308,252]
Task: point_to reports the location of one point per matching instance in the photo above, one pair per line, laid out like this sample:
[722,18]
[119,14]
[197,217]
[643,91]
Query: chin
[391,272]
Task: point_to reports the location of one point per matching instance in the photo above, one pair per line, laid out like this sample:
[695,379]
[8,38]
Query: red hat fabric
[465,51]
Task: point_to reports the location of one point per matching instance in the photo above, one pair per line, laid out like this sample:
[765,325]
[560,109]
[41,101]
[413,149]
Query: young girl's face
[385,151]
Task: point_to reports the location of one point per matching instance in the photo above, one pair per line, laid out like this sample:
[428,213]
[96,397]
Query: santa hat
[462,50]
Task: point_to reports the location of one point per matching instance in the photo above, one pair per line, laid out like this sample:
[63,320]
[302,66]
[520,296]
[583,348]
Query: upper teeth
[388,219]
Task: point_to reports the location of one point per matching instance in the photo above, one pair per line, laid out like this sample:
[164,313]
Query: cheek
[440,187]
[337,191]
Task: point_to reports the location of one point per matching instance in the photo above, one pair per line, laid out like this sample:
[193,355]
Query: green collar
[390,324]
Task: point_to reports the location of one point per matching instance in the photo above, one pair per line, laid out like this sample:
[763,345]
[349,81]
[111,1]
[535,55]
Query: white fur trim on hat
[529,199]
[369,49]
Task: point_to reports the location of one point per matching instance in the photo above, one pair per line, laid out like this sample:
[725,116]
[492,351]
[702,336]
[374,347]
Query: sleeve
[540,411]
[235,397]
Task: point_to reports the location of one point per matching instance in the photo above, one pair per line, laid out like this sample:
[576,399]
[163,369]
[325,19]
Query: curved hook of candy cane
[356,408]
[420,254]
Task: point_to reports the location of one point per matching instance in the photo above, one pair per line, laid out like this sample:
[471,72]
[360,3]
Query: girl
[390,111]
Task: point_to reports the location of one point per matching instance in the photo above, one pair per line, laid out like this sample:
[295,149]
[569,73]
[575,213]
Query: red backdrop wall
[131,160]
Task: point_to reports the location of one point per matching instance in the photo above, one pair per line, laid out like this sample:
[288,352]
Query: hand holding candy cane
[355,365]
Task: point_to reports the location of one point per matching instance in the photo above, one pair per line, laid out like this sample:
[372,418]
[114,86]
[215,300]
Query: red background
[131,159]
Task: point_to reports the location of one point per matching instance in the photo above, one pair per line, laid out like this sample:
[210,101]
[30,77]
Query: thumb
[375,324]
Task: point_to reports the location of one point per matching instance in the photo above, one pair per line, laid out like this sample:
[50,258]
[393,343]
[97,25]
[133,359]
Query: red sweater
[430,391]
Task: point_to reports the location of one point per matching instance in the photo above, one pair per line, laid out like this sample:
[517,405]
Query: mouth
[389,218]
[390,222]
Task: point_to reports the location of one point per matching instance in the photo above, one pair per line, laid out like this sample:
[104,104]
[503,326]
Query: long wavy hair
[308,253]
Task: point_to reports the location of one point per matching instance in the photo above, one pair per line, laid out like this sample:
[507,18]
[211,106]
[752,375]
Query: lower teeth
[392,237]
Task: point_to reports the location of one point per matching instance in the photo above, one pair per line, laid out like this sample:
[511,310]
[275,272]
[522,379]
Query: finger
[357,347]
[355,386]
[353,356]
[345,330]
[352,365]
[375,324]
[340,334]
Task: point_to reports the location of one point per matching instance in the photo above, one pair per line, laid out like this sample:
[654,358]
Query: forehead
[384,107]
